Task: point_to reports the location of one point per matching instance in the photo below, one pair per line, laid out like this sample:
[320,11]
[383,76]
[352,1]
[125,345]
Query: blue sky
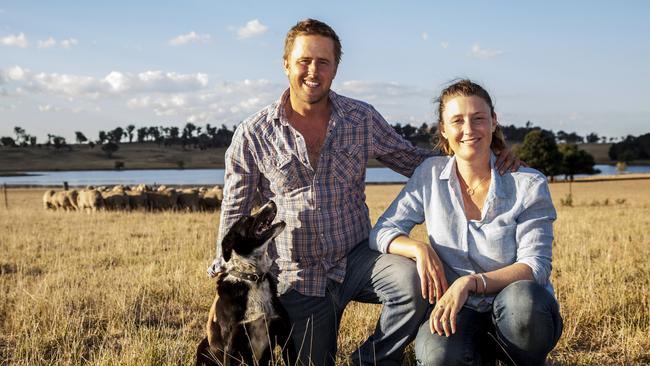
[85,66]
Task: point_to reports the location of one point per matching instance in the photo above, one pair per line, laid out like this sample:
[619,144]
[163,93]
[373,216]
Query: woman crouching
[488,261]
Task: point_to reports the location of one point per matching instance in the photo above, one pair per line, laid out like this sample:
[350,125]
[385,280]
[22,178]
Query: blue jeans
[371,277]
[525,322]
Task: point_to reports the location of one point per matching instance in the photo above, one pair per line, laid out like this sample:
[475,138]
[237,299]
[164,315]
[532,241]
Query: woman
[488,261]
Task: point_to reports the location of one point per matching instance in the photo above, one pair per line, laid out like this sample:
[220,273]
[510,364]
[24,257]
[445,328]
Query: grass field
[131,289]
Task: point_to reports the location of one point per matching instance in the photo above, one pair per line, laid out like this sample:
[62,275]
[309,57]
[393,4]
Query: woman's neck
[473,171]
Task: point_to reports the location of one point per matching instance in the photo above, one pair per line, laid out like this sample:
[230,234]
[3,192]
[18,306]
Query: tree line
[553,153]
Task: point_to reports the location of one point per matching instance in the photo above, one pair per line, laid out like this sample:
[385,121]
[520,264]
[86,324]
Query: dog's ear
[226,247]
[230,239]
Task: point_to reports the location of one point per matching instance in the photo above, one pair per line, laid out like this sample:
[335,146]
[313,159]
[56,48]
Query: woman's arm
[390,234]
[433,281]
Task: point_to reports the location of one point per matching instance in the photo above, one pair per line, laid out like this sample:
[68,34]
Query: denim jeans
[525,321]
[371,277]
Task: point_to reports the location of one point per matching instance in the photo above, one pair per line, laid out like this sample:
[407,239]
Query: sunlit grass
[130,288]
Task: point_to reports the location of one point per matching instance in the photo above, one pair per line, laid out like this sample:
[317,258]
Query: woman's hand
[443,316]
[433,281]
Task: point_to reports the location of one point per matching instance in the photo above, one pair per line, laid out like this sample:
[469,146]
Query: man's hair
[466,88]
[310,27]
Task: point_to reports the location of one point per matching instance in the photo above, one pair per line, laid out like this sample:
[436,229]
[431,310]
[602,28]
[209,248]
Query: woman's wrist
[470,283]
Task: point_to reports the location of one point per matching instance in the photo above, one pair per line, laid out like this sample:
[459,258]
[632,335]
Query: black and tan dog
[246,318]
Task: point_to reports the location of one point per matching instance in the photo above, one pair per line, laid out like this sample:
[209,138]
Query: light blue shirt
[516,224]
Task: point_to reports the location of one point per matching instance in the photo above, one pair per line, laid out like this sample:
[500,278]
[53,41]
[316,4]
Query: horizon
[69,67]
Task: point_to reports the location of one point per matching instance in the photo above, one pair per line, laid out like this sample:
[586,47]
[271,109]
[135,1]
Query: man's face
[311,67]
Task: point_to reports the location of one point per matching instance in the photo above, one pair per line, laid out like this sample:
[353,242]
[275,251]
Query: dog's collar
[254,277]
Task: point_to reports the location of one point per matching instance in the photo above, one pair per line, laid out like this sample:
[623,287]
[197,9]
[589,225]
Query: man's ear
[285,65]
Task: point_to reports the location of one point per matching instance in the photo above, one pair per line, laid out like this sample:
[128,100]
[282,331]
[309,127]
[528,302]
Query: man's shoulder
[350,104]
[259,121]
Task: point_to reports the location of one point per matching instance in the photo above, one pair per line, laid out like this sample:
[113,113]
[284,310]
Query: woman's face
[468,126]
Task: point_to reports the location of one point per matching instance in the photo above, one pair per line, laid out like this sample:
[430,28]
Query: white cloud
[479,52]
[191,37]
[49,108]
[15,73]
[425,36]
[252,28]
[50,42]
[114,83]
[15,40]
[67,43]
[444,44]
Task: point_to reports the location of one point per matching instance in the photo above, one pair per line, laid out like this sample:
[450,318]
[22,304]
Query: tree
[575,161]
[20,134]
[593,138]
[81,138]
[7,141]
[129,131]
[141,134]
[116,135]
[59,142]
[540,151]
[32,140]
[109,148]
[102,137]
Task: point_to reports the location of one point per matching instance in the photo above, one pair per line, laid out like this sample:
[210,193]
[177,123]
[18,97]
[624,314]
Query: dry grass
[131,289]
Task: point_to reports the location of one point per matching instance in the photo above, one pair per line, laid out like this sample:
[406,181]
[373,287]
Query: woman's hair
[310,27]
[466,88]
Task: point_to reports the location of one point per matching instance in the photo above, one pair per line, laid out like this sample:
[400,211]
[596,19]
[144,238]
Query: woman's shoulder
[528,175]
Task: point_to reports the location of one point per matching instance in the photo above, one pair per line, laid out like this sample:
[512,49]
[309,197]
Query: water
[198,176]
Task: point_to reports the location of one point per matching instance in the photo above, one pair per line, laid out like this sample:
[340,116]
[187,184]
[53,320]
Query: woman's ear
[494,122]
[441,127]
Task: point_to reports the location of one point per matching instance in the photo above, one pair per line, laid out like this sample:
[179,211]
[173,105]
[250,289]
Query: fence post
[4,190]
[65,186]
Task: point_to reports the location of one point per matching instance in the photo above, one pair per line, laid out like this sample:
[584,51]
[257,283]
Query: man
[308,152]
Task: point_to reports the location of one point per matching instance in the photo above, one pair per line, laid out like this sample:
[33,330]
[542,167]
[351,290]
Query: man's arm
[393,150]
[241,179]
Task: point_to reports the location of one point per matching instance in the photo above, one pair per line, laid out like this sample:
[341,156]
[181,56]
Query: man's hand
[507,160]
[215,267]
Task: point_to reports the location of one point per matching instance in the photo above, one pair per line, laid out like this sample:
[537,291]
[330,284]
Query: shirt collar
[499,191]
[339,106]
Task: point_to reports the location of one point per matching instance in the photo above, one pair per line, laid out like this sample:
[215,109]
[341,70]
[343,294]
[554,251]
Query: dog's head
[250,235]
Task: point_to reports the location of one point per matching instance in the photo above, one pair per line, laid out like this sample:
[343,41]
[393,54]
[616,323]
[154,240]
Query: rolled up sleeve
[535,231]
[406,211]
[241,179]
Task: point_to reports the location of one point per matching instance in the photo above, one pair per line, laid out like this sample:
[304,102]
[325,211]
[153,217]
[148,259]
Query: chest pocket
[501,243]
[347,164]
[282,171]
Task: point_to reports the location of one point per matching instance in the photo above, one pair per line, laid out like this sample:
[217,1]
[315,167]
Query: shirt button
[316,181]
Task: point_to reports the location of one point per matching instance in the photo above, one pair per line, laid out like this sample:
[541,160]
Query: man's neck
[301,110]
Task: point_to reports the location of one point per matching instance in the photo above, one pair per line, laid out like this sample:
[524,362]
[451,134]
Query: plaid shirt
[325,210]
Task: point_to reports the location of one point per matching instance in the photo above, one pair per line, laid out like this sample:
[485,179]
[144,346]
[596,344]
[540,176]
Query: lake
[197,176]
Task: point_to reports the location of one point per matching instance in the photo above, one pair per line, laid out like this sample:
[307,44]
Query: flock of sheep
[141,198]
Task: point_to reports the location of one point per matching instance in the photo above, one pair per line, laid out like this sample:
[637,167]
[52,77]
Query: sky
[87,66]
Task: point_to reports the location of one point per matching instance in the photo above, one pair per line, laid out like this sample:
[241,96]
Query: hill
[150,155]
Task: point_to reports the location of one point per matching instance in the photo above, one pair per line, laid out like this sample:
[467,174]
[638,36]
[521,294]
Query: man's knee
[404,276]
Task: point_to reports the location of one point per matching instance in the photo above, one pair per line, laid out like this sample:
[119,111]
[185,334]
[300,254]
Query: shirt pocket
[501,244]
[346,163]
[282,172]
